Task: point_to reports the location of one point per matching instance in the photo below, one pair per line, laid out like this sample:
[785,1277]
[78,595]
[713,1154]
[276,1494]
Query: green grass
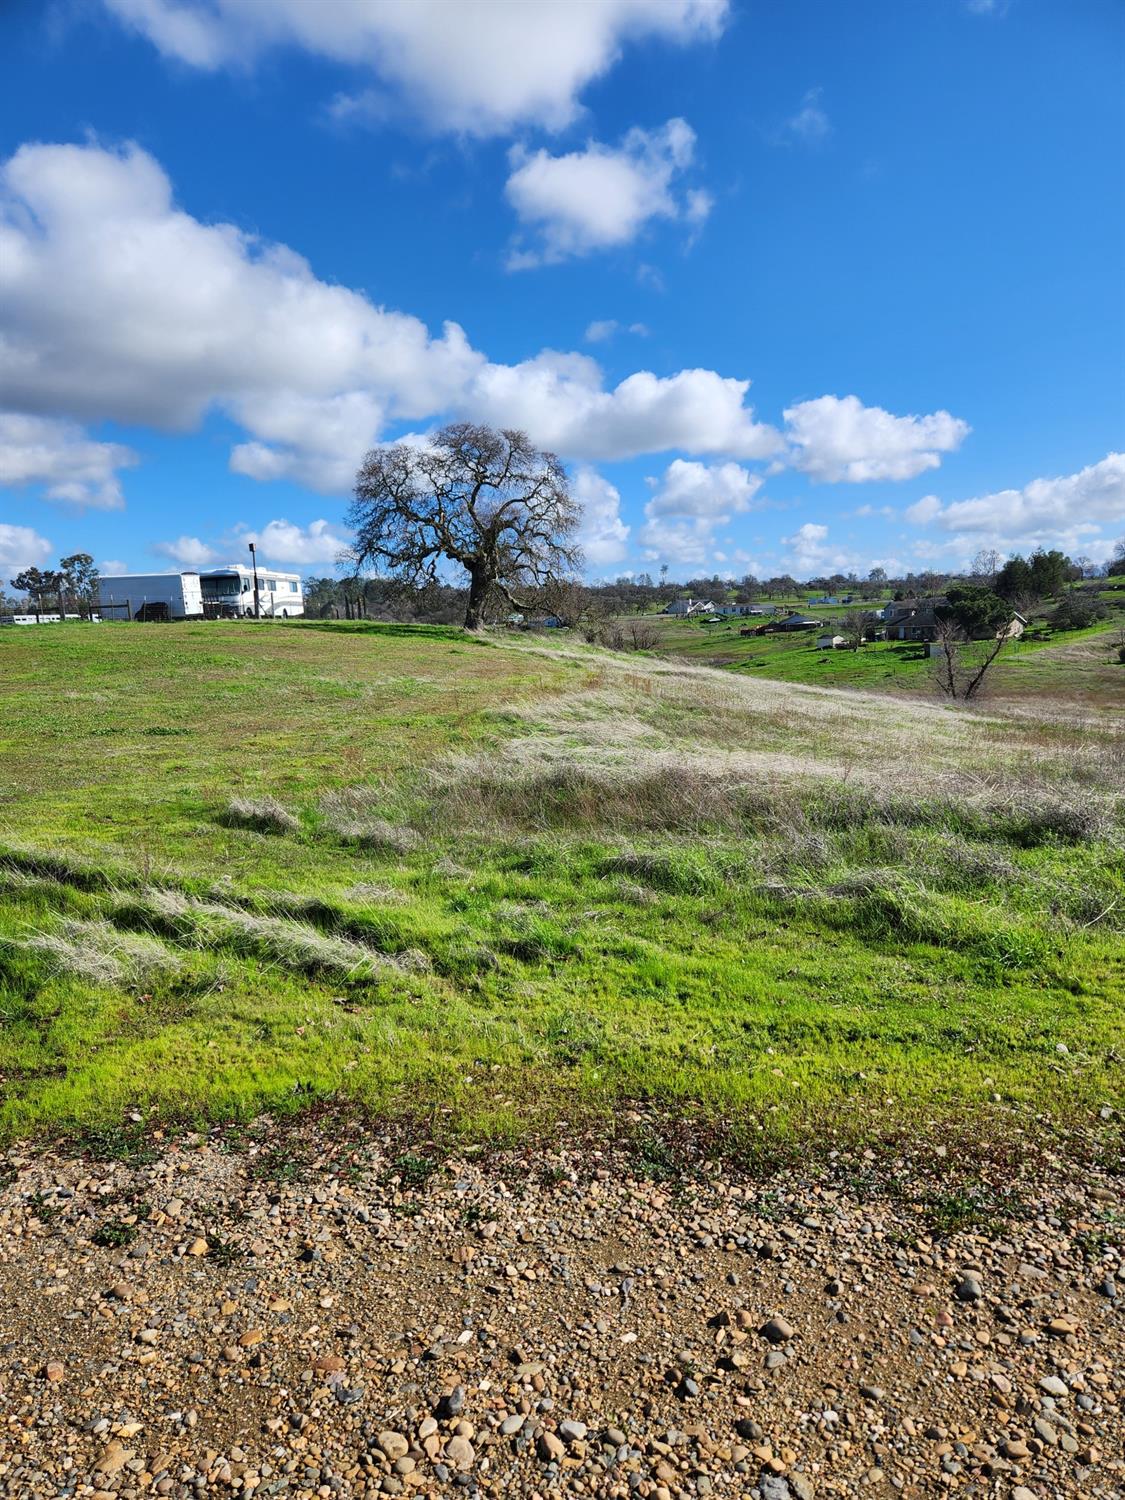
[500,884]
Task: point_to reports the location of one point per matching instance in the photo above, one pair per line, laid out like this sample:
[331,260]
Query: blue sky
[789,287]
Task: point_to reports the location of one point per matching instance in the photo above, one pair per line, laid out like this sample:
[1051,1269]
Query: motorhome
[229,592]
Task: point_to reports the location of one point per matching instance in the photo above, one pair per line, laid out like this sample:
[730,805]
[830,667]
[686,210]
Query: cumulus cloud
[811,553]
[604,196]
[837,438]
[188,551]
[117,305]
[688,506]
[110,567]
[59,456]
[283,541]
[21,547]
[923,511]
[1045,510]
[603,535]
[560,399]
[479,67]
[279,541]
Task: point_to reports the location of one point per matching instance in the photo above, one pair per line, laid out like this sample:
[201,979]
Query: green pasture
[500,884]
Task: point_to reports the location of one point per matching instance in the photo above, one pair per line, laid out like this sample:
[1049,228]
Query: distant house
[736,611]
[685,606]
[794,622]
[830,642]
[917,620]
[825,599]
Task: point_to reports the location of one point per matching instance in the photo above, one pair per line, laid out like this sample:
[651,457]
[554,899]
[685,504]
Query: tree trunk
[479,585]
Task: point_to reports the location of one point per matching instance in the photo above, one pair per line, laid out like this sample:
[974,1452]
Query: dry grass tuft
[350,815]
[294,945]
[97,952]
[264,814]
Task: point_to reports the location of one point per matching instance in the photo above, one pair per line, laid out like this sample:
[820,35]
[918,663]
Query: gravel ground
[328,1312]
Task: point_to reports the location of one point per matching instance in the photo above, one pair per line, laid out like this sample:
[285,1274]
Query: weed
[223,1252]
[413,1171]
[114,1234]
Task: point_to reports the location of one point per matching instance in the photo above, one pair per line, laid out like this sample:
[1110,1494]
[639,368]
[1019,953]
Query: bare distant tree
[971,612]
[986,564]
[485,501]
[858,626]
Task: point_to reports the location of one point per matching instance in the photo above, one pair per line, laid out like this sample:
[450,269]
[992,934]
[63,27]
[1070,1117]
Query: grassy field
[1078,666]
[499,884]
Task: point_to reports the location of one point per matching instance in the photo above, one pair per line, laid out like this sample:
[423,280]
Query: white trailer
[150,596]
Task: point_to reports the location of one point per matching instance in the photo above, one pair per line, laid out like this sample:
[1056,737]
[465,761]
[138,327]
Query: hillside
[250,868]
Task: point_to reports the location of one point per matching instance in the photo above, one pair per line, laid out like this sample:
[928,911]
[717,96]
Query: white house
[690,607]
[830,642]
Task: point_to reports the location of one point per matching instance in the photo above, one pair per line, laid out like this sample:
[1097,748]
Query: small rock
[549,1447]
[968,1289]
[776,1329]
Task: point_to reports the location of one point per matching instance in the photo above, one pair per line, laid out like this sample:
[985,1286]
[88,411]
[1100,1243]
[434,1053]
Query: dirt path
[304,1320]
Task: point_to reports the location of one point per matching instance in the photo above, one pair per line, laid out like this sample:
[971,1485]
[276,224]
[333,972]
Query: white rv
[230,591]
[150,596]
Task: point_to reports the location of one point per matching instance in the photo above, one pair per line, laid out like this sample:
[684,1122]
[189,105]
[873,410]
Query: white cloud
[923,511]
[111,567]
[603,535]
[690,504]
[59,456]
[282,541]
[1056,511]
[602,329]
[561,401]
[188,551]
[21,547]
[811,553]
[810,125]
[476,66]
[695,489]
[838,438]
[116,305]
[279,541]
[602,197]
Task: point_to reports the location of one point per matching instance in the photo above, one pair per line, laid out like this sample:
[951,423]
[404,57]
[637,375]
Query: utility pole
[257,596]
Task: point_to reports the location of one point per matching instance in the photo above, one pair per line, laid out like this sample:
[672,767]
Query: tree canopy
[487,502]
[978,612]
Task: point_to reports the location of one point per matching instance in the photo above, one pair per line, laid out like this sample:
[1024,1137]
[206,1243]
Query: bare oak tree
[485,501]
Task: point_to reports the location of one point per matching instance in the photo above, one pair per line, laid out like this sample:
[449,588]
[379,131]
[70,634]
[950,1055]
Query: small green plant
[952,1213]
[223,1252]
[114,1234]
[279,1164]
[413,1171]
[124,1143]
[45,1212]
